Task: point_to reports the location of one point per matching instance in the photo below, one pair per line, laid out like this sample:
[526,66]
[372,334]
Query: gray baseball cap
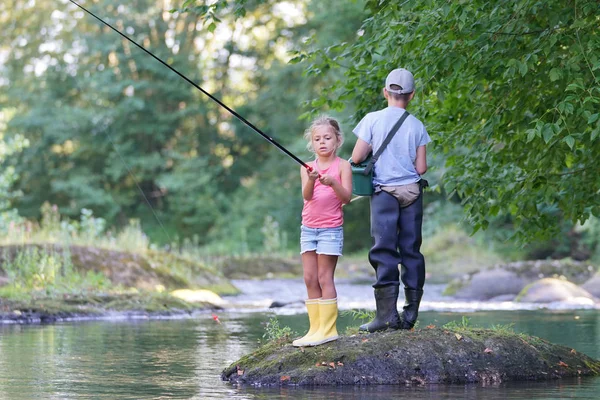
[401,77]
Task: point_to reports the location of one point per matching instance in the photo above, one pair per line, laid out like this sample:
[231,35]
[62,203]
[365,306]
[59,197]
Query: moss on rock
[412,357]
[55,308]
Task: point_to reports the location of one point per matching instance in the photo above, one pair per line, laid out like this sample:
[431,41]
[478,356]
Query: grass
[40,270]
[274,332]
[36,269]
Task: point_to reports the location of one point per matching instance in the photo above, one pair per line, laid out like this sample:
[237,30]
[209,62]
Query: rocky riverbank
[536,281]
[42,283]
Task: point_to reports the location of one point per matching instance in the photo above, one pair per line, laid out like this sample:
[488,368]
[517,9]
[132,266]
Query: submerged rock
[412,357]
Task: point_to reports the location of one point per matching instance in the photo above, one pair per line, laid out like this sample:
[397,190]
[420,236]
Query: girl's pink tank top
[324,210]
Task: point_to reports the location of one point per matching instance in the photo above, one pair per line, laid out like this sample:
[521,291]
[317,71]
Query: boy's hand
[313,175]
[326,180]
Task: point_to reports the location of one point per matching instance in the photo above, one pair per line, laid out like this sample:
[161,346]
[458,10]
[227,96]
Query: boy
[396,204]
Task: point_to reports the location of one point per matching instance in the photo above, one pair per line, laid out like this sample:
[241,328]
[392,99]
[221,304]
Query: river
[182,358]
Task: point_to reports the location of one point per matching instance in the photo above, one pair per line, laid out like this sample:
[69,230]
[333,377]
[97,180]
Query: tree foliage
[509,91]
[114,131]
[110,128]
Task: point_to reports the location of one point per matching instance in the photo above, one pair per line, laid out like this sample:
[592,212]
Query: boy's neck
[397,103]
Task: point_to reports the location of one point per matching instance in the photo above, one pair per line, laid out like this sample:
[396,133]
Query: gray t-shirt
[395,166]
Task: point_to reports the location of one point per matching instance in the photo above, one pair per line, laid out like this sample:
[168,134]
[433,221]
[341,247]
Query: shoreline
[255,297]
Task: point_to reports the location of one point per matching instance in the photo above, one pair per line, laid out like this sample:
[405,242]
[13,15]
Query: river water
[183,358]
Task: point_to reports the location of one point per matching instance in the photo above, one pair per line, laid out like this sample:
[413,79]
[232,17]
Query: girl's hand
[313,175]
[326,180]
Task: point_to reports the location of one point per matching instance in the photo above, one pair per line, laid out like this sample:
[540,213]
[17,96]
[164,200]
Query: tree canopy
[509,91]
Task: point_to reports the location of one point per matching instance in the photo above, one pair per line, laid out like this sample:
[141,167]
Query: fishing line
[216,100]
[130,172]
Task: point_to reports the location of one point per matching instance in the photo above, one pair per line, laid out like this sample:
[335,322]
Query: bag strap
[387,140]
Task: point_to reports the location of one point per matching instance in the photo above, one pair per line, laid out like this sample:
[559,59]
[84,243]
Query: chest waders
[396,233]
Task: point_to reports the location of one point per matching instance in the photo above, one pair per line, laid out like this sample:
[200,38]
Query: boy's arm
[361,151]
[421,160]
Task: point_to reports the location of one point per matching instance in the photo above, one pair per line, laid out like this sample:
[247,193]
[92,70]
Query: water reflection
[579,389]
[183,359]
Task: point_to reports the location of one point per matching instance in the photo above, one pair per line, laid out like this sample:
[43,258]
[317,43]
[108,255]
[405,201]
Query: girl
[325,188]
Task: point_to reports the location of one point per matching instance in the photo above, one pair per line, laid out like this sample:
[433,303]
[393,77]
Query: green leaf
[547,132]
[555,74]
[523,70]
[211,28]
[440,95]
[570,141]
[593,118]
[568,109]
[531,133]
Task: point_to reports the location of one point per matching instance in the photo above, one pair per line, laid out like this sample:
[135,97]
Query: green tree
[108,125]
[268,182]
[509,91]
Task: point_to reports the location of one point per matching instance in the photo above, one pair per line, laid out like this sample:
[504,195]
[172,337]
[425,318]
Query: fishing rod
[216,100]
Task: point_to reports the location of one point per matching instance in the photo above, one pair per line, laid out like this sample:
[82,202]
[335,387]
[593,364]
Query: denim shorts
[328,241]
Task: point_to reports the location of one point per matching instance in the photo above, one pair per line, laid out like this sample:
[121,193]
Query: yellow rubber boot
[328,313]
[312,306]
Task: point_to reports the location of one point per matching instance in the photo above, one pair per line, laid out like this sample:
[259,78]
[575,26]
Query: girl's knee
[311,280]
[325,280]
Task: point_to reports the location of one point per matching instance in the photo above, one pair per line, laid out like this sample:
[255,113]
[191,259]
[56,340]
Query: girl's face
[324,141]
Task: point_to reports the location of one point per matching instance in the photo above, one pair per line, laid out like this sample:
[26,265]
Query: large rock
[548,290]
[492,283]
[593,285]
[510,279]
[412,357]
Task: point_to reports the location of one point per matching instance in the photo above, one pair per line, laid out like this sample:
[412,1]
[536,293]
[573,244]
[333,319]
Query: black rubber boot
[411,308]
[386,299]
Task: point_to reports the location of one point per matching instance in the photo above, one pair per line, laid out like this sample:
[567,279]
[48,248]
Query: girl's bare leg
[326,269]
[311,275]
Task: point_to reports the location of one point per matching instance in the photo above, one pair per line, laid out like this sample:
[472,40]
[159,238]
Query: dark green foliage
[509,92]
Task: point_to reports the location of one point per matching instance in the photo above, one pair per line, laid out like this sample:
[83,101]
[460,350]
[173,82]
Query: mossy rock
[574,271]
[46,309]
[412,357]
[550,289]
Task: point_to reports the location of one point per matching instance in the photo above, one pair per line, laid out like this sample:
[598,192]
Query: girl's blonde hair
[326,121]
